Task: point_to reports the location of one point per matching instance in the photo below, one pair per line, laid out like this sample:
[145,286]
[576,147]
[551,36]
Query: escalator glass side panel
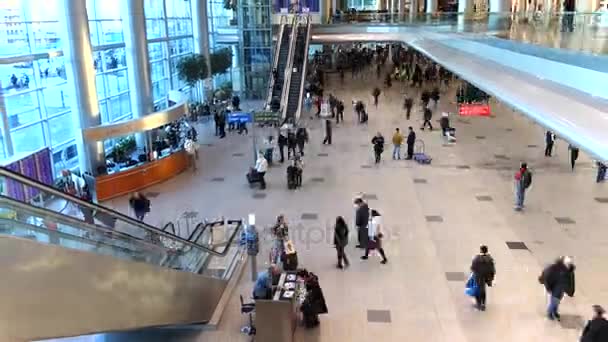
[44,226]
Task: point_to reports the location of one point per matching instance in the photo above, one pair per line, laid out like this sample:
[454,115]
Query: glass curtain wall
[170,38]
[33,82]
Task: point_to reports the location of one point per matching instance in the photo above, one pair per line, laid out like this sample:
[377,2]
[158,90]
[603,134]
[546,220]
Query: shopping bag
[471,287]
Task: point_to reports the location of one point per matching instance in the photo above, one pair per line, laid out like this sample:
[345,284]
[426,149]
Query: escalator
[296,80]
[73,268]
[279,64]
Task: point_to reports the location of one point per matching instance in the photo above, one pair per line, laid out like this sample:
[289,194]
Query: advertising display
[36,166]
[296,6]
[475,109]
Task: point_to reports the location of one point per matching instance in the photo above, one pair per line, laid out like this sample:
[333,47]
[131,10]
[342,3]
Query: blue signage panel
[239,117]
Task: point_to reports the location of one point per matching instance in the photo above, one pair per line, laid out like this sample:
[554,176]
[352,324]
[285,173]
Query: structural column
[78,57]
[413,9]
[500,6]
[138,72]
[432,6]
[140,80]
[200,21]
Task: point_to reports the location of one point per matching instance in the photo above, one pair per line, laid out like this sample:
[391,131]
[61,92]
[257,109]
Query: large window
[109,59]
[34,89]
[170,38]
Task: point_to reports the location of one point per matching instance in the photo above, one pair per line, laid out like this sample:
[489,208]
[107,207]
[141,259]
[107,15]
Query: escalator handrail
[275,61]
[65,219]
[304,68]
[289,67]
[49,189]
[169,225]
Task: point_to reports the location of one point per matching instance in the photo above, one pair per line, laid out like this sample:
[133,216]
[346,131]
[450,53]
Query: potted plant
[221,61]
[192,69]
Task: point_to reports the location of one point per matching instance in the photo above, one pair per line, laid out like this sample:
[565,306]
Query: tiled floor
[434,223]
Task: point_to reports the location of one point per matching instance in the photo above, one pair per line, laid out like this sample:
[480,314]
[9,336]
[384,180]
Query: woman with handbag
[375,236]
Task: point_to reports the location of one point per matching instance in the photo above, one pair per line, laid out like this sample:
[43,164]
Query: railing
[289,67]
[58,201]
[304,67]
[275,61]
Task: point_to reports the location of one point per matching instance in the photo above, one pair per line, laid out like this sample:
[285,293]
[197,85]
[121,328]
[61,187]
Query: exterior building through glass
[35,100]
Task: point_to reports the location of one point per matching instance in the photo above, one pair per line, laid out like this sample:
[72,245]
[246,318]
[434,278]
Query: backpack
[527,179]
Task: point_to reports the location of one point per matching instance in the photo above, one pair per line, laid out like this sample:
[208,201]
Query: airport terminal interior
[309,170]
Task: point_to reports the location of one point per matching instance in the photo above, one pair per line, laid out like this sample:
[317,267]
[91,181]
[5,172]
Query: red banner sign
[474,110]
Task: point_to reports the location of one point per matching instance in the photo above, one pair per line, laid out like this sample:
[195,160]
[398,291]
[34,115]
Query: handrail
[304,69]
[169,225]
[72,221]
[198,226]
[41,186]
[289,66]
[275,61]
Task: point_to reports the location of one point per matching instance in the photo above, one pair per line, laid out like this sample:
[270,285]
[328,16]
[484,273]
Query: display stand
[276,319]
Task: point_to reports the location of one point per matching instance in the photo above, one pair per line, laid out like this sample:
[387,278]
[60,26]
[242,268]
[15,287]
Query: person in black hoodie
[291,144]
[327,139]
[411,139]
[408,103]
[484,271]
[301,139]
[596,329]
[361,221]
[558,278]
[340,114]
[282,142]
[341,240]
[428,114]
[376,93]
[378,142]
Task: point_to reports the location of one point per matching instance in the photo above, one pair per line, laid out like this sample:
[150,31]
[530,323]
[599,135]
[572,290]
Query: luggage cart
[419,155]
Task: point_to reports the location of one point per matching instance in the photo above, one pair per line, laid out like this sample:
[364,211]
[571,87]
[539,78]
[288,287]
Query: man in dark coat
[327,139]
[558,279]
[484,271]
[407,105]
[282,142]
[596,329]
[428,114]
[361,221]
[411,139]
[341,240]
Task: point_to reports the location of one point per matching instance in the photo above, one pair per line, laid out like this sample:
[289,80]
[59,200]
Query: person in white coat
[375,236]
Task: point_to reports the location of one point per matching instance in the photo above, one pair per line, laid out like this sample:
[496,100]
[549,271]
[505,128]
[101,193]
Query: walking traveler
[140,205]
[301,139]
[407,105]
[291,144]
[411,140]
[549,141]
[341,240]
[340,114]
[397,142]
[282,142]
[375,93]
[280,234]
[483,272]
[558,278]
[361,221]
[573,155]
[378,142]
[523,180]
[428,115]
[375,236]
[327,139]
[435,97]
[261,166]
[596,329]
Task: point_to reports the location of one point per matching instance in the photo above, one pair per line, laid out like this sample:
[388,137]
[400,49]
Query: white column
[140,81]
[200,22]
[413,8]
[78,56]
[500,6]
[432,6]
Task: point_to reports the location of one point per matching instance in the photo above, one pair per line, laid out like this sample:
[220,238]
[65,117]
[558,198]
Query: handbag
[471,287]
[372,244]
